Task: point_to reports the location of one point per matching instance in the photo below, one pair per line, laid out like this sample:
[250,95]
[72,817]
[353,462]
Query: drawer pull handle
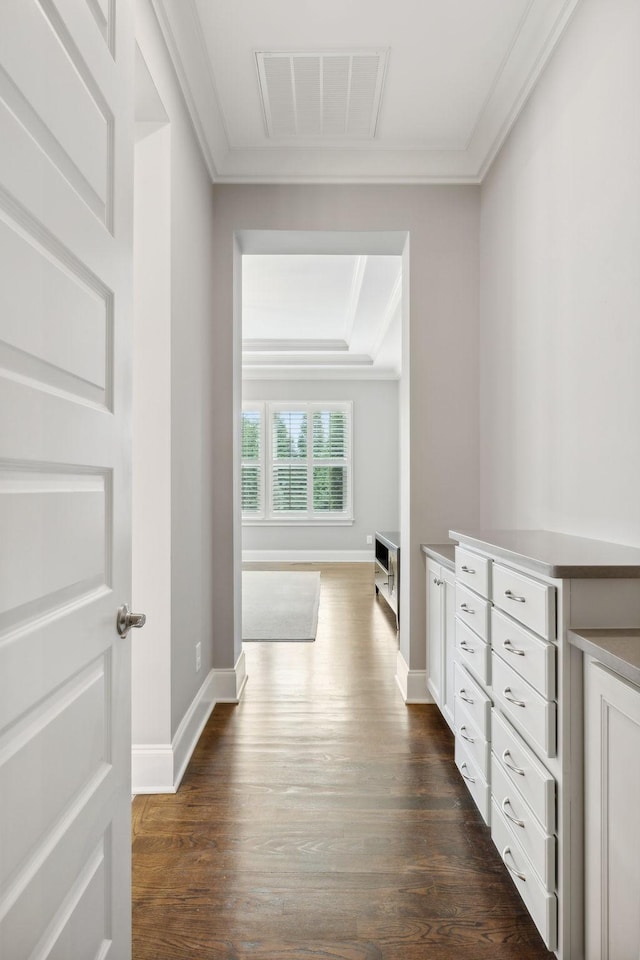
[516,873]
[512,596]
[509,647]
[465,735]
[466,609]
[507,803]
[506,756]
[512,699]
[466,569]
[466,775]
[461,693]
[465,646]
[437,582]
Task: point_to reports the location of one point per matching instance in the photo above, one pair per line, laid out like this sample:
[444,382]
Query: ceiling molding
[393,303]
[182,32]
[537,37]
[359,270]
[250,346]
[306,359]
[319,373]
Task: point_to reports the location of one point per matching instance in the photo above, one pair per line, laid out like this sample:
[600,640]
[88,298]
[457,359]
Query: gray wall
[375,464]
[560,328]
[439,392]
[193,391]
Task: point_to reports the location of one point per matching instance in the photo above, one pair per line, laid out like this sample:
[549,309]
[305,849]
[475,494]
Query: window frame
[309,517]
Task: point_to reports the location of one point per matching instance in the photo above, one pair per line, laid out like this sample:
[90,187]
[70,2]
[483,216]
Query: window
[296,462]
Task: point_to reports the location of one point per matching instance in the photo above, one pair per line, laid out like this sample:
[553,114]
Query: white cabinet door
[434,632]
[612,816]
[66,135]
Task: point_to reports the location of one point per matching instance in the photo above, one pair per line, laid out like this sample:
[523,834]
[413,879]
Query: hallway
[323,818]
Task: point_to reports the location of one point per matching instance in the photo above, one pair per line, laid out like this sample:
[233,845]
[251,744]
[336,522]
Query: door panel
[66,173]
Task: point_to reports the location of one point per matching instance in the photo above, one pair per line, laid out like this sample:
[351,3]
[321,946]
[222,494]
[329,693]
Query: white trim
[412,683]
[191,726]
[229,683]
[307,556]
[319,373]
[160,767]
[152,768]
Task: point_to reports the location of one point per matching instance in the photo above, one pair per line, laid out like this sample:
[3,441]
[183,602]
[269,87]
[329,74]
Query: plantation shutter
[330,476]
[290,474]
[252,470]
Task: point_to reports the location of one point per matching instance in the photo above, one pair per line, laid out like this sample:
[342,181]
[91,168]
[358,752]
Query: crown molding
[310,372]
[540,30]
[292,346]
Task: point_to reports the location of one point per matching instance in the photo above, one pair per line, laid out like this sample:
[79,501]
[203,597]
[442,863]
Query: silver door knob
[125,620]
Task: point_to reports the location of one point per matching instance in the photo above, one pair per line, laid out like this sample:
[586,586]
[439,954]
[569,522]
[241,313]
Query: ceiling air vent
[321,94]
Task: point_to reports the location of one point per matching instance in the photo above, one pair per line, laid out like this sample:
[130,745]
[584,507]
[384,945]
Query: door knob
[125,620]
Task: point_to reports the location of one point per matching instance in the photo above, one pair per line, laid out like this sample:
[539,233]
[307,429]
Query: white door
[66,133]
[612,824]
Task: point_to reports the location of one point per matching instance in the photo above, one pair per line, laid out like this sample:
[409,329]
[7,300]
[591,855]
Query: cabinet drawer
[529,601]
[539,846]
[476,745]
[542,905]
[473,570]
[522,768]
[476,784]
[533,658]
[473,610]
[473,699]
[517,698]
[473,652]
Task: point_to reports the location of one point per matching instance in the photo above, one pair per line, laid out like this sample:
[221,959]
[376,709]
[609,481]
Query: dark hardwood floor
[322,818]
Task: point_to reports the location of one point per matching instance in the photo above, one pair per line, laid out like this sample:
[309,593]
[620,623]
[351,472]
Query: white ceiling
[451,77]
[457,75]
[321,315]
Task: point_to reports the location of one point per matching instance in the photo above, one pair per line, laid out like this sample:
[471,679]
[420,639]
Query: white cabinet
[540,587]
[440,594]
[612,815]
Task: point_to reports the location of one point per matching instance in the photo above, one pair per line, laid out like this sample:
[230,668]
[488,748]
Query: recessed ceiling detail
[321,315]
[458,76]
[321,94]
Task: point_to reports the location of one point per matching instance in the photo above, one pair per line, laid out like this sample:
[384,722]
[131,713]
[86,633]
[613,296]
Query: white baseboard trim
[412,683]
[160,767]
[229,684]
[308,556]
[152,768]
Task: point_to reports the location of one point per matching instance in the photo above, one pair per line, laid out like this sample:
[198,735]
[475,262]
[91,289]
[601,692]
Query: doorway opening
[320,320]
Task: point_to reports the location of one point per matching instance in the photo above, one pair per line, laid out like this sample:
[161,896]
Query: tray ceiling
[451,79]
[321,316]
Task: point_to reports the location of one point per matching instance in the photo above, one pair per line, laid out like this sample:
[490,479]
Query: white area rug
[279,605]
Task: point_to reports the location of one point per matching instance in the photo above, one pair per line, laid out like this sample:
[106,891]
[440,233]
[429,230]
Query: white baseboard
[160,767]
[308,556]
[229,684]
[152,768]
[412,683]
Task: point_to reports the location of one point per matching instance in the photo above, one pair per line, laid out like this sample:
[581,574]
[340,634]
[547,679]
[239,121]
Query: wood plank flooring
[322,818]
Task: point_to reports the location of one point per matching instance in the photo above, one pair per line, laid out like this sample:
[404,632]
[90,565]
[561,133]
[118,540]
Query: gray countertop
[555,555]
[443,553]
[390,538]
[617,649]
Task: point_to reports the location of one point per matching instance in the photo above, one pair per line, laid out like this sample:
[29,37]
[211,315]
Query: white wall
[440,358]
[560,292]
[375,464]
[193,389]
